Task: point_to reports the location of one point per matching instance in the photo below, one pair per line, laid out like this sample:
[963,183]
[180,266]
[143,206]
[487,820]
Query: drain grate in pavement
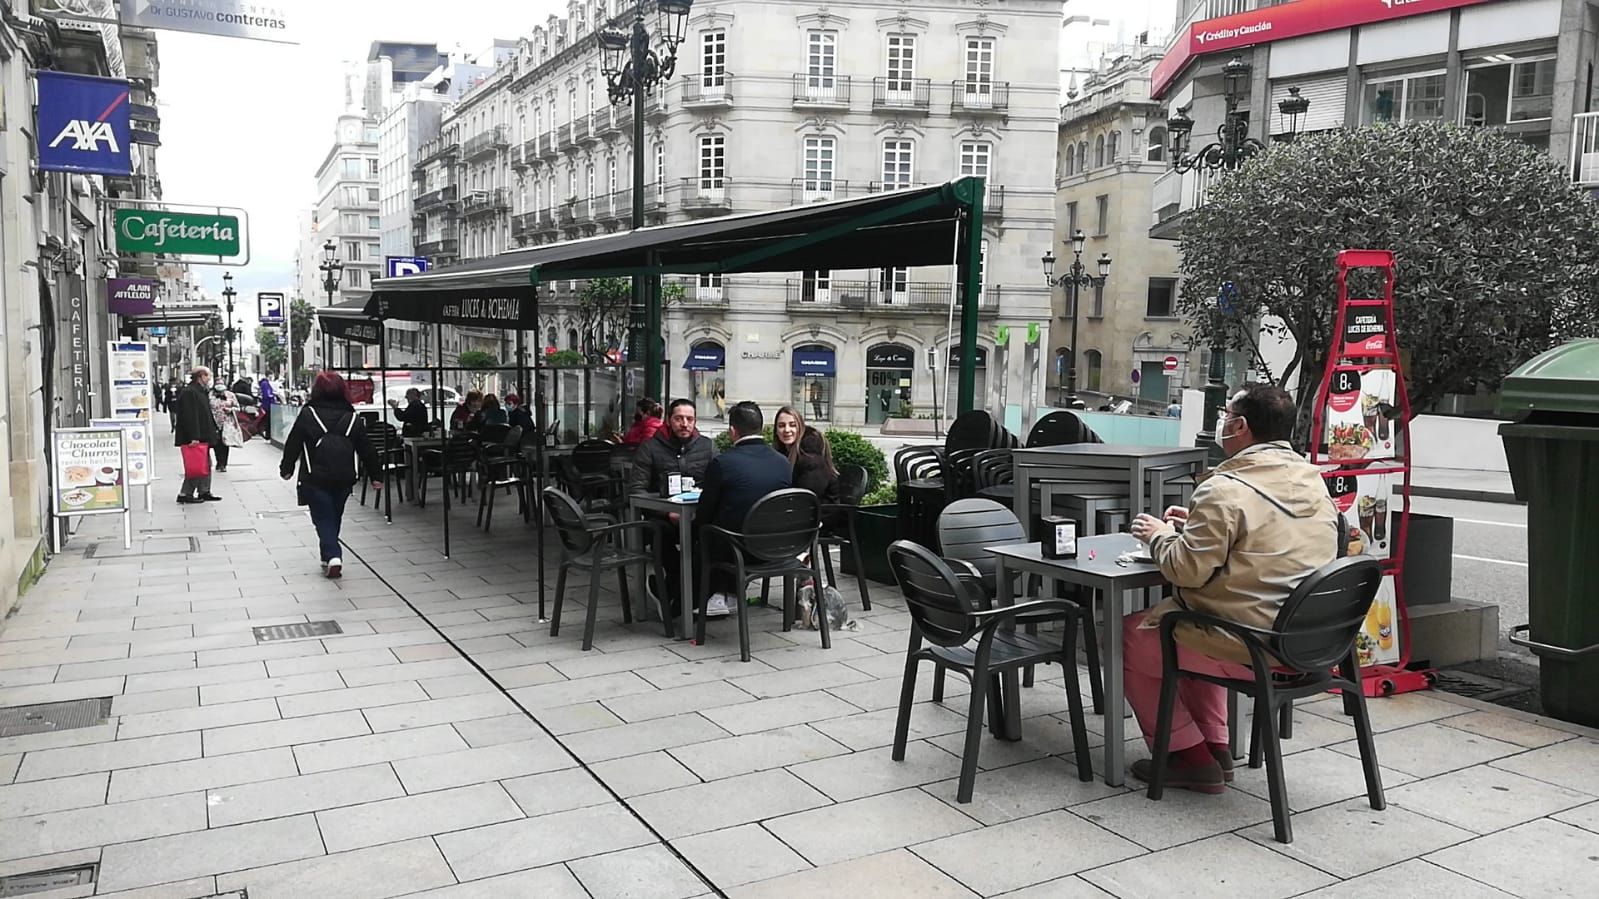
[301,631]
[41,881]
[149,546]
[281,513]
[1477,686]
[224,532]
[47,717]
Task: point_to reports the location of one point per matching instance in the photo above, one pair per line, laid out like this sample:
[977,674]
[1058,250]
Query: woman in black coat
[328,444]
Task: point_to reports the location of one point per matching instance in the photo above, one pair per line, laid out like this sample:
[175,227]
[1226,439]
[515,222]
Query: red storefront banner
[1276,23]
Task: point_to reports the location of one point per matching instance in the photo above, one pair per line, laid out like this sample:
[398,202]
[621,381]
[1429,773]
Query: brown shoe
[1200,779]
[1224,759]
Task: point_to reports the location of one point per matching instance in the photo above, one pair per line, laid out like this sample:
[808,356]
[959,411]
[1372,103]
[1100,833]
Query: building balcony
[549,145]
[697,296]
[708,91]
[821,91]
[579,131]
[481,202]
[489,142]
[436,150]
[831,296]
[883,187]
[602,121]
[444,246]
[816,190]
[524,225]
[902,95]
[994,202]
[980,97]
[615,207]
[1174,195]
[707,196]
[525,154]
[433,199]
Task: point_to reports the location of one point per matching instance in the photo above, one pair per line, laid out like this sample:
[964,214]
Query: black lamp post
[332,270]
[632,70]
[1076,277]
[228,293]
[1232,148]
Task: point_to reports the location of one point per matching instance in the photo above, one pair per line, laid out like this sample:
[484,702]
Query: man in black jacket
[194,423]
[734,481]
[679,447]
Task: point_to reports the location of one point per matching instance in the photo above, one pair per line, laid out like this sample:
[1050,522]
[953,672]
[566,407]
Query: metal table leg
[686,606]
[1115,702]
[1010,681]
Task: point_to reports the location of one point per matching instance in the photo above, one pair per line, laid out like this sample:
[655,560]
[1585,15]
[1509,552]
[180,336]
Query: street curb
[1480,496]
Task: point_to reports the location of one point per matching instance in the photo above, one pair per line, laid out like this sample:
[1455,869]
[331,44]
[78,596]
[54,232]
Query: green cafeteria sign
[175,233]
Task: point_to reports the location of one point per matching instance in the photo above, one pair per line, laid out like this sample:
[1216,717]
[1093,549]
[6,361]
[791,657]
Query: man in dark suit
[733,482]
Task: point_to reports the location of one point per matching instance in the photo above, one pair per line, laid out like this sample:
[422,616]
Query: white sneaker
[335,568]
[717,606]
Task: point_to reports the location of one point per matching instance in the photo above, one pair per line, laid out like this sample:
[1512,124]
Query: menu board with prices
[132,393]
[136,446]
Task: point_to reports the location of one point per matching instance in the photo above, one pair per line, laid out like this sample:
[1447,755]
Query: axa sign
[83,124]
[176,233]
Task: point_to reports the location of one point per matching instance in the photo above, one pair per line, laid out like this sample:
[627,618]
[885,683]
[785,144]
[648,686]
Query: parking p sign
[400,266]
[271,307]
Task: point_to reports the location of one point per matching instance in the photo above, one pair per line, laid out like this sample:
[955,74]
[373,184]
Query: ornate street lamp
[1233,145]
[228,293]
[332,272]
[632,70]
[1076,277]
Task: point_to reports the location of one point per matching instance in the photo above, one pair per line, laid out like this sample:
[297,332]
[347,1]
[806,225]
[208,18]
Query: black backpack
[332,460]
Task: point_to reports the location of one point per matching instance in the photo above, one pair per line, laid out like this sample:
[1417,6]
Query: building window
[713,162]
[571,183]
[1113,147]
[894,284]
[901,70]
[1095,362]
[1156,151]
[814,380]
[1502,93]
[1405,98]
[1098,310]
[660,171]
[979,85]
[590,93]
[821,62]
[975,157]
[898,159]
[589,176]
[353,277]
[713,62]
[816,286]
[372,223]
[610,173]
[571,338]
[349,221]
[708,287]
[820,153]
[1162,295]
[1082,156]
[1071,219]
[350,167]
[371,195]
[1099,151]
[1103,226]
[371,168]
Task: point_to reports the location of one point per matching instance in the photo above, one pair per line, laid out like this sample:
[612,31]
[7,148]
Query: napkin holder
[1058,537]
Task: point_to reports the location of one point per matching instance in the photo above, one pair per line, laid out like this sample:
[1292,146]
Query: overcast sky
[245,123]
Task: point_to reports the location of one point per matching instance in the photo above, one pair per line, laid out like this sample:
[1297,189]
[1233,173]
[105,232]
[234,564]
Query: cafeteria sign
[88,471]
[176,233]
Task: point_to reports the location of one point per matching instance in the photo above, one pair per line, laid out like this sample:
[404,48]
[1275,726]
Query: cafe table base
[1112,583]
[641,504]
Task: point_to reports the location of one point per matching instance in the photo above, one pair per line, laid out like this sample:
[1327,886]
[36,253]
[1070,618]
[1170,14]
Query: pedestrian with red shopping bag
[195,430]
[328,443]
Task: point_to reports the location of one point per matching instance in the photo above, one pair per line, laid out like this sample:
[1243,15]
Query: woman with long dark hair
[329,445]
[787,429]
[646,422]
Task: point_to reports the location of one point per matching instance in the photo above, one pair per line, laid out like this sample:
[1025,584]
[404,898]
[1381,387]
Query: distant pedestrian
[269,398]
[225,409]
[329,445]
[193,423]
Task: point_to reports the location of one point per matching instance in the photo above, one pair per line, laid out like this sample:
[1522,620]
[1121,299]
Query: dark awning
[979,358]
[705,357]
[348,321]
[172,317]
[890,355]
[814,362]
[903,228]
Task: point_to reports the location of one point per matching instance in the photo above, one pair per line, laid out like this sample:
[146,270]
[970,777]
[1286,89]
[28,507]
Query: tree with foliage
[1497,254]
[272,355]
[301,316]
[477,359]
[602,307]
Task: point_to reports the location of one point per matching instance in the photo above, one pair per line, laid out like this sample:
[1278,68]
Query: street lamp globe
[1049,266]
[328,251]
[673,21]
[1078,239]
[1104,265]
[613,51]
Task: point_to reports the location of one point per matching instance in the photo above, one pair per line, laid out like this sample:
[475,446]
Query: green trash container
[1552,446]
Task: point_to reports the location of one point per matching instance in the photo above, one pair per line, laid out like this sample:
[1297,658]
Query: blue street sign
[83,124]
[400,266]
[271,307]
[158,332]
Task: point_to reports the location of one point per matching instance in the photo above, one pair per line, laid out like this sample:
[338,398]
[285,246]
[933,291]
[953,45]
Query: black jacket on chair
[737,478]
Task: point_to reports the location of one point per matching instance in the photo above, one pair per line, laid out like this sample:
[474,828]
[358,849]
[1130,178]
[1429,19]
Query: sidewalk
[445,745]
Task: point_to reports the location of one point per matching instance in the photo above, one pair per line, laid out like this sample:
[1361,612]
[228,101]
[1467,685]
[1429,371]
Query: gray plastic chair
[966,529]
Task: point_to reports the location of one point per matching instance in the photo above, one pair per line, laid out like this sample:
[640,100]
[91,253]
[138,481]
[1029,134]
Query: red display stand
[1361,439]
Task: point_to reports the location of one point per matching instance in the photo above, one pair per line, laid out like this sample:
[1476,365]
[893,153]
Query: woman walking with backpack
[329,444]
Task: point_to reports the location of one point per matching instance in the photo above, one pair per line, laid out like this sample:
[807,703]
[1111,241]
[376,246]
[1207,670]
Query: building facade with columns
[772,105]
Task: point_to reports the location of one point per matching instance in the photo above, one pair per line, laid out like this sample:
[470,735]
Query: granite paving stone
[371,873]
[723,803]
[1221,867]
[645,736]
[1017,791]
[200,718]
[1536,859]
[649,772]
[1483,798]
[428,712]
[34,797]
[296,795]
[866,826]
[42,833]
[532,842]
[1025,851]
[287,732]
[214,851]
[472,766]
[740,855]
[199,774]
[366,697]
[643,872]
[108,756]
[407,817]
[548,882]
[361,750]
[730,756]
[556,791]
[909,875]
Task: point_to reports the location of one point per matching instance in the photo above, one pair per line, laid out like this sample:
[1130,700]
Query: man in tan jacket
[1261,522]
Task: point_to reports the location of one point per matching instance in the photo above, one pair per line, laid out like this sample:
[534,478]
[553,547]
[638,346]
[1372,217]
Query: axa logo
[87,135]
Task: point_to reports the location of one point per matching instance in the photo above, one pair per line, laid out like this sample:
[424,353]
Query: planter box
[1429,561]
[875,527]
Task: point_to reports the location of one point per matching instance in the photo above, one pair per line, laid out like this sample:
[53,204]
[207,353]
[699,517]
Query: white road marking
[1494,561]
[1503,524]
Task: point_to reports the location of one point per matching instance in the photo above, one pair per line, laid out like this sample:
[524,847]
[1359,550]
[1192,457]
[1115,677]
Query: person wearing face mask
[1261,522]
[195,423]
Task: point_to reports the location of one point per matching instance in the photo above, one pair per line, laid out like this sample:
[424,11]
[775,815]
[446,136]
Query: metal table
[414,447]
[1110,462]
[1111,581]
[644,502]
